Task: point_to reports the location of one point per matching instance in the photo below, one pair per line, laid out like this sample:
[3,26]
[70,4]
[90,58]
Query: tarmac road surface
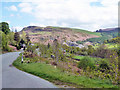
[14,78]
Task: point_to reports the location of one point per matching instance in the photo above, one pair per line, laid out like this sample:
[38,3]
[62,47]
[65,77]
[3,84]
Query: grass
[52,74]
[87,32]
[79,30]
[42,32]
[95,59]
[110,45]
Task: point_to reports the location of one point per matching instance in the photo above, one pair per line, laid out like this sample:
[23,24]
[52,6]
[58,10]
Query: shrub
[104,64]
[85,62]
[18,47]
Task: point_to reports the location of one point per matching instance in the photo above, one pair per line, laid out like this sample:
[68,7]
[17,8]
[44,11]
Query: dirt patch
[13,47]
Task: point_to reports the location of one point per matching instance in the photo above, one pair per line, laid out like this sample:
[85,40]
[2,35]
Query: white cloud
[73,13]
[26,7]
[13,8]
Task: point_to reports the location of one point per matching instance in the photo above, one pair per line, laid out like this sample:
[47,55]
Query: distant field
[108,45]
[42,33]
[96,59]
[87,32]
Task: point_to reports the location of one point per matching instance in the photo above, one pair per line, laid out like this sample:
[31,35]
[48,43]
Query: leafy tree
[4,26]
[11,38]
[27,37]
[17,37]
[90,50]
[4,43]
[56,49]
[85,62]
[22,41]
[24,35]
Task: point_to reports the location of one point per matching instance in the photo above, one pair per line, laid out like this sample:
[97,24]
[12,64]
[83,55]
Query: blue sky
[85,14]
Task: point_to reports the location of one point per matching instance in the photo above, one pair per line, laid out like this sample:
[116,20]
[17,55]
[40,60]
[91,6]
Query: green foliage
[31,48]
[102,52]
[114,40]
[17,37]
[85,62]
[4,43]
[98,40]
[28,38]
[56,46]
[43,50]
[4,26]
[48,45]
[24,35]
[90,50]
[104,64]
[10,37]
[79,42]
[50,73]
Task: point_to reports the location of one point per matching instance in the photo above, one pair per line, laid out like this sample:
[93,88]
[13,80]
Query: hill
[106,34]
[48,34]
[108,30]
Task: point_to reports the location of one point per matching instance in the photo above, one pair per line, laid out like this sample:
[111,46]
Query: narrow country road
[14,78]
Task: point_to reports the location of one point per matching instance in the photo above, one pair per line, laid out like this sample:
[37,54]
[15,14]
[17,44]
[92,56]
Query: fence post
[22,59]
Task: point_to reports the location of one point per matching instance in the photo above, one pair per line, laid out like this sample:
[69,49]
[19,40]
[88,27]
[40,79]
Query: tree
[4,43]
[48,45]
[21,43]
[27,37]
[24,35]
[56,49]
[17,37]
[90,50]
[11,38]
[4,26]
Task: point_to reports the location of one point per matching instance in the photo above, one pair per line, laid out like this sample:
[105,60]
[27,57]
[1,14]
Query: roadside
[59,77]
[12,49]
[14,78]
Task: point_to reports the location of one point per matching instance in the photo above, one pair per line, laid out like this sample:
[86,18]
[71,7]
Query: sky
[83,14]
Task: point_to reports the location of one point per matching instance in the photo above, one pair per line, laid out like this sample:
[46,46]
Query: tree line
[8,37]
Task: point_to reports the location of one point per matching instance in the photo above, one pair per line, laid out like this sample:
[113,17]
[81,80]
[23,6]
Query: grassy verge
[53,74]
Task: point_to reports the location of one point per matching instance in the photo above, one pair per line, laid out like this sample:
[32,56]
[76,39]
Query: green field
[87,32]
[53,74]
[79,30]
[81,57]
[41,33]
[95,59]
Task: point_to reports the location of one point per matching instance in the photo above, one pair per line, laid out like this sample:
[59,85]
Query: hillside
[48,34]
[108,30]
[106,34]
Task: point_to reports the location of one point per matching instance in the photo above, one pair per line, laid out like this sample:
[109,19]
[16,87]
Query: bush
[104,64]
[18,47]
[85,62]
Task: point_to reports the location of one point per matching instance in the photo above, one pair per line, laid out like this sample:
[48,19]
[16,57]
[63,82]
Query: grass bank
[53,74]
